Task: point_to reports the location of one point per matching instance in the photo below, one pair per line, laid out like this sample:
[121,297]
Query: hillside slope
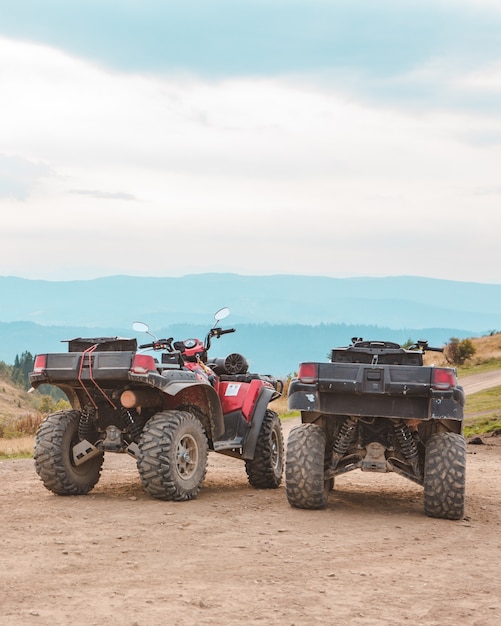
[486,348]
[15,402]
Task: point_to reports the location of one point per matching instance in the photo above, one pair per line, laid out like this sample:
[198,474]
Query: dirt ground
[236,555]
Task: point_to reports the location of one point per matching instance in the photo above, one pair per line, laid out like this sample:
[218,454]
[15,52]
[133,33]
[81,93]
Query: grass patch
[16,448]
[488,365]
[486,400]
[18,455]
[482,426]
[483,412]
[288,415]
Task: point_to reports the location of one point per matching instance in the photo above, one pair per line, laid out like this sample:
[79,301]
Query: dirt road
[237,556]
[479,382]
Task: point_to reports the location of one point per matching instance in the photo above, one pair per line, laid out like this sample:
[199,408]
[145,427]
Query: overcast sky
[162,138]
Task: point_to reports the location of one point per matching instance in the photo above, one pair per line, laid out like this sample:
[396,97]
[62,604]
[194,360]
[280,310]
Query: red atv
[166,413]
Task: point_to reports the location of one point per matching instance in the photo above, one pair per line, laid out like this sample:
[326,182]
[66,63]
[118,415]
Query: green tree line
[19,374]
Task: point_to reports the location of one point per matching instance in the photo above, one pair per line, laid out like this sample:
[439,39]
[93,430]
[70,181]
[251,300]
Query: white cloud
[148,174]
[19,177]
[486,79]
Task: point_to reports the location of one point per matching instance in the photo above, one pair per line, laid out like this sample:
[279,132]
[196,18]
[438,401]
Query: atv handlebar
[159,344]
[422,344]
[217,332]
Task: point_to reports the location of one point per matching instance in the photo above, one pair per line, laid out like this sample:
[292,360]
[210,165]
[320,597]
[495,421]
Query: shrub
[458,352]
[28,424]
[25,425]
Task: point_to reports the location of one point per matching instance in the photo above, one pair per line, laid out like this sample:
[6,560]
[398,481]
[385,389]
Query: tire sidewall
[158,462]
[190,429]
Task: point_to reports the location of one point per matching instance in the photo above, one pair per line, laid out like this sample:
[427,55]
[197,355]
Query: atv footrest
[228,445]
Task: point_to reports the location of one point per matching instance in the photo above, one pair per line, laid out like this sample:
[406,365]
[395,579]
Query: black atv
[377,408]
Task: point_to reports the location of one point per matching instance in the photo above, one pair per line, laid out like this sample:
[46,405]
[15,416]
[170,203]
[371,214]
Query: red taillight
[143,363]
[443,378]
[40,363]
[307,372]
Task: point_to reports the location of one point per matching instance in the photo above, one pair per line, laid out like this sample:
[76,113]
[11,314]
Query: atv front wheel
[53,456]
[305,484]
[444,476]
[265,470]
[172,457]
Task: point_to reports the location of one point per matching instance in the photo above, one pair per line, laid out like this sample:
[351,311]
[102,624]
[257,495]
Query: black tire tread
[304,467]
[262,472]
[444,476]
[53,442]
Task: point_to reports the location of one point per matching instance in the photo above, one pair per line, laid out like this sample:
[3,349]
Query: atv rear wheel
[53,456]
[266,469]
[305,482]
[172,457]
[444,476]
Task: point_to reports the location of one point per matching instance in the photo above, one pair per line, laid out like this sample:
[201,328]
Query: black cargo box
[103,344]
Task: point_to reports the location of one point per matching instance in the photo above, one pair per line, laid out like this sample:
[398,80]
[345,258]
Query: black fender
[180,383]
[303,397]
[249,447]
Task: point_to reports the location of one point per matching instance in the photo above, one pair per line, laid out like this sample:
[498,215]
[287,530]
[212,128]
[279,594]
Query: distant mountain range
[280,319]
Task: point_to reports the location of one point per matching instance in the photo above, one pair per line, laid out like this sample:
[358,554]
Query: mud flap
[249,447]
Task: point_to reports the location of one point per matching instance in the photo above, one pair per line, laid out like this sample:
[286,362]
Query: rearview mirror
[140,327]
[221,314]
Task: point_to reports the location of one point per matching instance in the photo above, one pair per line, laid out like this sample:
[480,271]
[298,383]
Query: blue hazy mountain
[280,319]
